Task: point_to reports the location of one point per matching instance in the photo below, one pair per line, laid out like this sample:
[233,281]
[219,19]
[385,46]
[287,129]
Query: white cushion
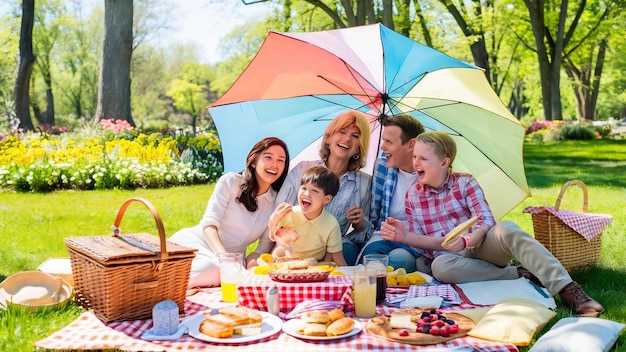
[579,334]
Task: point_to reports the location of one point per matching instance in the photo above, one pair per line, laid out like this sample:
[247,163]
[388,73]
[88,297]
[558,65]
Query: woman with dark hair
[237,213]
[343,150]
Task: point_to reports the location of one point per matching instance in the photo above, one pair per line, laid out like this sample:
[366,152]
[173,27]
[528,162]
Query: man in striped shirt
[393,175]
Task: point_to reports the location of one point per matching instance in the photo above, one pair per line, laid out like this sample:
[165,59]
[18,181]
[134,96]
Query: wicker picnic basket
[567,245]
[122,277]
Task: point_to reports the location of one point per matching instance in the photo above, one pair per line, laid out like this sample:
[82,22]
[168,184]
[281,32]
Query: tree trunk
[587,84]
[536,13]
[114,80]
[21,91]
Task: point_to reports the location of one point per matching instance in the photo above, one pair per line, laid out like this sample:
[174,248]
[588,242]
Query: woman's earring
[356,157]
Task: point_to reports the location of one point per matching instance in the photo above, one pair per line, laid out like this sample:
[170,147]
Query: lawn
[34,226]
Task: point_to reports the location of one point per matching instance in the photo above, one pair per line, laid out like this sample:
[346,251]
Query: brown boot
[579,302]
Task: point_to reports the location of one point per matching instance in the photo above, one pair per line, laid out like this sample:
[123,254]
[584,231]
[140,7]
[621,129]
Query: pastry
[316,316]
[336,314]
[340,326]
[314,329]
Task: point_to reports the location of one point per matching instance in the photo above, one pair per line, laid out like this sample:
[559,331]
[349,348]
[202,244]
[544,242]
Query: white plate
[291,328]
[271,325]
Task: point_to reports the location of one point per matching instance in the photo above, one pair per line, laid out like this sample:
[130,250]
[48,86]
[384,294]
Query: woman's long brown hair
[250,187]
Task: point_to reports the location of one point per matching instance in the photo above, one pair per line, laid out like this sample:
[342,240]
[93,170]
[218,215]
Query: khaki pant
[491,260]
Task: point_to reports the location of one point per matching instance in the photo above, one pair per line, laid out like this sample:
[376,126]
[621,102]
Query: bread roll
[340,326]
[336,314]
[316,316]
[315,329]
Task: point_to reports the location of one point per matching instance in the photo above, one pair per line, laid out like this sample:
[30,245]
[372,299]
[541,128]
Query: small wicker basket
[567,245]
[122,277]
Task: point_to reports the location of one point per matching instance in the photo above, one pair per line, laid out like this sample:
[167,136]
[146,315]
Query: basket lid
[142,247]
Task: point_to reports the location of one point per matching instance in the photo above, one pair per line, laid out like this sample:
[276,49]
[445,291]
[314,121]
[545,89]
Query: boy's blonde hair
[442,143]
[343,121]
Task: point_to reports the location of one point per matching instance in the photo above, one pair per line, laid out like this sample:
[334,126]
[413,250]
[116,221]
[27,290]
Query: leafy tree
[189,91]
[554,28]
[50,18]
[77,64]
[8,47]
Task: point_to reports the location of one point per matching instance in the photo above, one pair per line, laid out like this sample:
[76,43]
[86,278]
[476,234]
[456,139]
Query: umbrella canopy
[298,82]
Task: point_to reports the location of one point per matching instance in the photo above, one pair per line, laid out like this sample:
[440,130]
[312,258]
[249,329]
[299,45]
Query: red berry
[444,331]
[403,332]
[454,329]
[434,317]
[435,330]
[439,323]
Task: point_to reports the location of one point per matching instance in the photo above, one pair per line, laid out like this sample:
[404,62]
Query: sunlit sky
[205,22]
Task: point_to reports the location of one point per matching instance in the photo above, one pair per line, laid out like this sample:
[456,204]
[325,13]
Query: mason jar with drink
[231,270]
[364,292]
[377,263]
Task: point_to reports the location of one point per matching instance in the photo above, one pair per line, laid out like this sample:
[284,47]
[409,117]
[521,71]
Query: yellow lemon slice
[403,280]
[415,278]
[390,269]
[266,257]
[398,272]
[261,270]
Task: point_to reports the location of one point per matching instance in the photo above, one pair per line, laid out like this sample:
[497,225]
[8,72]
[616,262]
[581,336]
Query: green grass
[34,226]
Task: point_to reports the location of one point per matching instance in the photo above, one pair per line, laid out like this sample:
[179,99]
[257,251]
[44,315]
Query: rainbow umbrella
[298,82]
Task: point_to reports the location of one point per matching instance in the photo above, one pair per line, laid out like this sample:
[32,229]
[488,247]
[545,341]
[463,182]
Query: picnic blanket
[87,332]
[587,225]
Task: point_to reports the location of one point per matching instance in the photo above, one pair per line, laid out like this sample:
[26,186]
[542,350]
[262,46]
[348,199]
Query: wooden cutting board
[380,326]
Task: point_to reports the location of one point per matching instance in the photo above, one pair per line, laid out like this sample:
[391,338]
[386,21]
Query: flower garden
[107,155]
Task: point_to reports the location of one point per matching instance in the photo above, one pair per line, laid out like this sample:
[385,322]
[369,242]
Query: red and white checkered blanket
[587,225]
[87,332]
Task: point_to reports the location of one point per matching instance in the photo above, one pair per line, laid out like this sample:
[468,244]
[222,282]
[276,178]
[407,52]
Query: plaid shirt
[383,184]
[436,212]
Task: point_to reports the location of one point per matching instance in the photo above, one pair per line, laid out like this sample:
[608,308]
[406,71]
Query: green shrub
[577,132]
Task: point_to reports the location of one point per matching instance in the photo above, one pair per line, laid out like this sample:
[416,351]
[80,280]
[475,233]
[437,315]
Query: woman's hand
[355,216]
[393,230]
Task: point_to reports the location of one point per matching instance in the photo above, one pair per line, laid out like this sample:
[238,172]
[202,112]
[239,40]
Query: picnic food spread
[420,326]
[232,321]
[293,269]
[325,323]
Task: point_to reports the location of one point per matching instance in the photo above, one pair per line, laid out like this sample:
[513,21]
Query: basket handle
[155,214]
[565,186]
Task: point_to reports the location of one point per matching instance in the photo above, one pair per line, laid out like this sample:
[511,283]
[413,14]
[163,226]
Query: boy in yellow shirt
[308,230]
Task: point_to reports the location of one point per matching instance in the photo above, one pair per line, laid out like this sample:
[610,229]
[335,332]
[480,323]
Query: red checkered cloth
[587,225]
[252,289]
[87,332]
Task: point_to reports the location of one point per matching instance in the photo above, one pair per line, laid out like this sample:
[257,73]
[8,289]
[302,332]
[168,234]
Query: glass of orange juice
[231,270]
[364,292]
